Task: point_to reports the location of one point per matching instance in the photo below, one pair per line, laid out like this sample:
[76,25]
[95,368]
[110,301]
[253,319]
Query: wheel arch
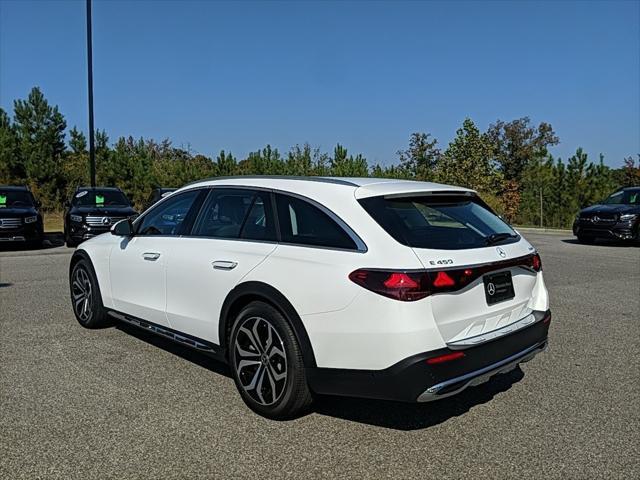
[250,291]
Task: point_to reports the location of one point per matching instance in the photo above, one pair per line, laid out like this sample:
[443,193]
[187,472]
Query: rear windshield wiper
[498,237]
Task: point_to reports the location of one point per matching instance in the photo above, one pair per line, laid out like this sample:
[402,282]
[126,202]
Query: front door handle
[224,265]
[151,256]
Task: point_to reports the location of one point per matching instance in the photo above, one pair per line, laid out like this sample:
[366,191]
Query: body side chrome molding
[193,342]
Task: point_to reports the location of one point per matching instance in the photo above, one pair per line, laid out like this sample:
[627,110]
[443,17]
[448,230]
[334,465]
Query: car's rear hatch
[483,273]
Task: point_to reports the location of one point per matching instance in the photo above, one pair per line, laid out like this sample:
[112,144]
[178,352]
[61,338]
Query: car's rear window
[447,222]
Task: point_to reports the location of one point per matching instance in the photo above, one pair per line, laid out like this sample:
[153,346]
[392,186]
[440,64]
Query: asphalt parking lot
[119,403]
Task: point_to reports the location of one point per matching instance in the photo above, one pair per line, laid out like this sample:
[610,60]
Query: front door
[137,265]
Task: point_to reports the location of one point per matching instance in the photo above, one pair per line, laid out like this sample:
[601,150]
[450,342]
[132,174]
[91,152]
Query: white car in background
[364,287]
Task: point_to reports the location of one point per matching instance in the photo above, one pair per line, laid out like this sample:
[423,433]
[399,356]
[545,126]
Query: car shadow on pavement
[387,414]
[415,416]
[182,351]
[5,284]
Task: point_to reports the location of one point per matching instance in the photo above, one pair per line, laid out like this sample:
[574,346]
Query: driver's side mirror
[124,228]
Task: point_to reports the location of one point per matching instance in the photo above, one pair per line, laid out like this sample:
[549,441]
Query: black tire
[69,242]
[86,300]
[260,381]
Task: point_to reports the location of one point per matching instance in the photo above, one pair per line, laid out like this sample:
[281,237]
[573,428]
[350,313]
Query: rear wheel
[266,362]
[86,300]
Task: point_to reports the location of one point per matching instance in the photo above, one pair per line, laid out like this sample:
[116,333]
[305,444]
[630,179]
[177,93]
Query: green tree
[344,165]
[9,159]
[40,135]
[422,156]
[467,161]
[517,143]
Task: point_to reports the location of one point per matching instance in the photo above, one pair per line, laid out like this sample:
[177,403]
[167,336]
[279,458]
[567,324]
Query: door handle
[151,256]
[224,265]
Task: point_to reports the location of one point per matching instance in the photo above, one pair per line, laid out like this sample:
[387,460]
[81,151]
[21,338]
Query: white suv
[363,287]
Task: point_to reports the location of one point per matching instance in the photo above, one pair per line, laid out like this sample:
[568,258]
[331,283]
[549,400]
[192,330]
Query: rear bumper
[414,380]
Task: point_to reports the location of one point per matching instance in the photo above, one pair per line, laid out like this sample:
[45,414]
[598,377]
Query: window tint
[229,213]
[167,217]
[305,224]
[448,223]
[100,198]
[15,198]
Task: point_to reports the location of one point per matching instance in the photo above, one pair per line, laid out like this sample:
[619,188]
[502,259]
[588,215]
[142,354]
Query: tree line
[509,164]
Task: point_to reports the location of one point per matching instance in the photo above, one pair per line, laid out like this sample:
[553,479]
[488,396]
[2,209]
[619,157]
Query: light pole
[92,150]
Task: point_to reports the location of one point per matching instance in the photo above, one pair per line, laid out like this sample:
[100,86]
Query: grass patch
[53,222]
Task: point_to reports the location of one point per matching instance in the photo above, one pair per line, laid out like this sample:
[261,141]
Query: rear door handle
[224,265]
[151,256]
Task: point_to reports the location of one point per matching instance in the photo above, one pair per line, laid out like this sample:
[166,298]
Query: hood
[600,208]
[18,212]
[110,211]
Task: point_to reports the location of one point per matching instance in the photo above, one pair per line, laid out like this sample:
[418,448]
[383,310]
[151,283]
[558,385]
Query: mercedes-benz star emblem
[491,289]
[595,219]
[106,220]
[501,252]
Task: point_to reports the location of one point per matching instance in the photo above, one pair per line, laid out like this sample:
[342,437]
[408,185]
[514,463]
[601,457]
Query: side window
[230,213]
[305,224]
[167,218]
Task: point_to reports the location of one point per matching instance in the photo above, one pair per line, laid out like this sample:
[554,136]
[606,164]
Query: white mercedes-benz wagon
[366,287]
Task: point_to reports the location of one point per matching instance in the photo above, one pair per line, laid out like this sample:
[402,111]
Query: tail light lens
[536,262]
[405,286]
[411,285]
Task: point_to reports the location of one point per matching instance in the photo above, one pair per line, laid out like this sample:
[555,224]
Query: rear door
[453,233]
[234,232]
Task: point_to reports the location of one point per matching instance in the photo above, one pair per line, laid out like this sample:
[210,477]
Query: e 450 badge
[443,261]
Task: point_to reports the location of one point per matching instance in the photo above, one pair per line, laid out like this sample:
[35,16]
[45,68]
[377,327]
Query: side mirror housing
[124,228]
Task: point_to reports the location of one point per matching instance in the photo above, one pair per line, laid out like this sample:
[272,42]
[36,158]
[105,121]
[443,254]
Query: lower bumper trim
[456,385]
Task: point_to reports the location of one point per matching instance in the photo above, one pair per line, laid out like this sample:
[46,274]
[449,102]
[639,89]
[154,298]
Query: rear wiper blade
[498,237]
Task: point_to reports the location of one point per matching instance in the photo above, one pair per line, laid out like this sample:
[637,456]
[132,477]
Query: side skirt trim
[179,337]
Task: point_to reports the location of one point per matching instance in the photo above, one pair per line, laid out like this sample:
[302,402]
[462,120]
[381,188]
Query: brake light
[536,262]
[447,357]
[443,280]
[411,285]
[404,286]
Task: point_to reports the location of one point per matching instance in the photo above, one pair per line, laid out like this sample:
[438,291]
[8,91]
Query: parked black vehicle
[92,211]
[20,216]
[157,194]
[617,217]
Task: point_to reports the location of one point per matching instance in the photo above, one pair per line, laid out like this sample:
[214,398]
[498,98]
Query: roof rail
[333,180]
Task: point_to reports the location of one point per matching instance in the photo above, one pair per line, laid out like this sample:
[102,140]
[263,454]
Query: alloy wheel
[260,360]
[82,294]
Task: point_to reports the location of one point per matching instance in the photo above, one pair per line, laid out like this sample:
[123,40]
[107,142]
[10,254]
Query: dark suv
[93,211]
[617,217]
[20,217]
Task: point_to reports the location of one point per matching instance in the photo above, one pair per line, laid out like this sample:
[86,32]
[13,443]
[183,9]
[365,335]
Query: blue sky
[237,76]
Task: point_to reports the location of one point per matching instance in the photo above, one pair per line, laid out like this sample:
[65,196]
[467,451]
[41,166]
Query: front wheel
[266,363]
[86,299]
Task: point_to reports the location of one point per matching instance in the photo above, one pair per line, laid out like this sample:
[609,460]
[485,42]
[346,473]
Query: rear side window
[305,224]
[447,223]
[236,214]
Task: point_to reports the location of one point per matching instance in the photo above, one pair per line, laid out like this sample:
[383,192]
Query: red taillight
[447,357]
[405,286]
[400,280]
[443,280]
[536,262]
